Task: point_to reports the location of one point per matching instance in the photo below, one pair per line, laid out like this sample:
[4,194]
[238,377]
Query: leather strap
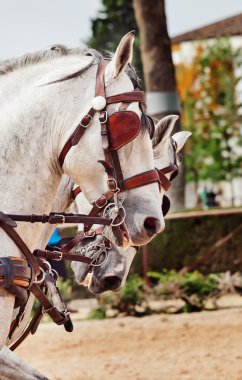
[169,169]
[80,237]
[87,119]
[100,83]
[22,246]
[57,255]
[164,182]
[59,218]
[7,220]
[127,97]
[48,307]
[142,179]
[31,328]
[97,207]
[76,135]
[76,191]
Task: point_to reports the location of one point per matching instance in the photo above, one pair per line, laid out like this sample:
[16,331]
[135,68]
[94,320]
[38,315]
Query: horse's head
[113,263]
[114,157]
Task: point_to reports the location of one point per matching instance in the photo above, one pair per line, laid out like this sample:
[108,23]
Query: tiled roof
[231,26]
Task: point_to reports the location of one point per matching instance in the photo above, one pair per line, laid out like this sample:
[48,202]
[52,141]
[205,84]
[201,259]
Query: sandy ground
[195,346]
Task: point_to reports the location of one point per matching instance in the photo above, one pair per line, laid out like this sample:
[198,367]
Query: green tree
[114,20]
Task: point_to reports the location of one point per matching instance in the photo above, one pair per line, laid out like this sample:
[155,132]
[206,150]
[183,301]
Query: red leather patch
[123,127]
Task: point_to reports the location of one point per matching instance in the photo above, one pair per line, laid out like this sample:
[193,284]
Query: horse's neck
[82,206]
[30,139]
[62,202]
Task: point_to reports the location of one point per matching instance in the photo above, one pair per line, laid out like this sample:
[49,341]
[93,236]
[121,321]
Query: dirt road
[199,346]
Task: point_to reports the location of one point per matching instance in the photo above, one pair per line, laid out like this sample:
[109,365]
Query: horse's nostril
[111,282]
[152,226]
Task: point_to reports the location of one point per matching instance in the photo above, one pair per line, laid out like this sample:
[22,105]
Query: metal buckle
[41,279]
[114,188]
[44,311]
[103,117]
[100,199]
[88,235]
[63,219]
[59,258]
[89,122]
[48,266]
[55,274]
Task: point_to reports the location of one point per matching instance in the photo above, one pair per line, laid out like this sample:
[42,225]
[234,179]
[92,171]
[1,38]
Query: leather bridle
[117,130]
[104,245]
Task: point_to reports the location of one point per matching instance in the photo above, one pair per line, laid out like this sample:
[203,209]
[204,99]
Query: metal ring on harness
[101,248]
[39,281]
[113,224]
[93,264]
[49,267]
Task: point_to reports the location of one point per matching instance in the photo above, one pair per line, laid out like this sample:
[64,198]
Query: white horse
[112,273]
[43,98]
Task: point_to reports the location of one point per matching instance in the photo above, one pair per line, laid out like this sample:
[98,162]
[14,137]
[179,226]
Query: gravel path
[198,346]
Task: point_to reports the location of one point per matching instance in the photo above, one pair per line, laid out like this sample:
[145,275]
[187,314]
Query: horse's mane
[46,55]
[28,59]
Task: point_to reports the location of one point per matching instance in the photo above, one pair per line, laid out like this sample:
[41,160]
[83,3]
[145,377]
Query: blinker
[123,127]
[165,205]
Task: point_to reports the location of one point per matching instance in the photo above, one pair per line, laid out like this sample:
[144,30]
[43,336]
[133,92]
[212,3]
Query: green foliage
[211,110]
[65,287]
[98,313]
[130,300]
[191,283]
[186,240]
[115,19]
[196,283]
[132,292]
[193,288]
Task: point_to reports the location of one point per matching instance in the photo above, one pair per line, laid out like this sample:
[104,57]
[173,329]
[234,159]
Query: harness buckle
[90,234]
[87,119]
[42,277]
[63,219]
[103,117]
[57,256]
[112,185]
[101,202]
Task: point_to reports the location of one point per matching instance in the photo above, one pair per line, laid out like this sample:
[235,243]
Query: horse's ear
[122,56]
[163,130]
[180,138]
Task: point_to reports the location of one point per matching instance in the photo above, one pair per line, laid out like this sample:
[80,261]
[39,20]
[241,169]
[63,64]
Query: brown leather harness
[20,276]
